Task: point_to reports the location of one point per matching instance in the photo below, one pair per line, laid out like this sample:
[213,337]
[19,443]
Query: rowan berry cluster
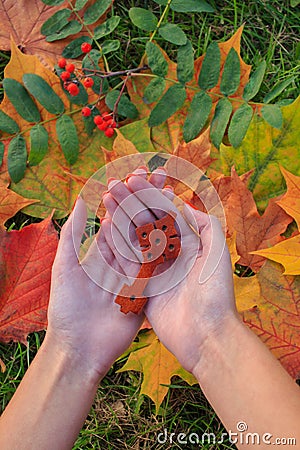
[104,122]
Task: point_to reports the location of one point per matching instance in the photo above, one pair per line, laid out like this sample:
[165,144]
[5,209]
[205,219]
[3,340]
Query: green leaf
[53,2]
[185,63]
[56,22]
[1,153]
[73,50]
[80,99]
[21,100]
[7,124]
[197,116]
[110,46]
[72,27]
[154,90]
[43,93]
[16,158]
[231,74]
[107,27]
[156,60]
[38,144]
[143,19]
[125,107]
[79,4]
[254,83]
[273,115]
[220,120]
[95,11]
[171,101]
[173,33]
[277,90]
[68,139]
[191,6]
[211,67]
[239,124]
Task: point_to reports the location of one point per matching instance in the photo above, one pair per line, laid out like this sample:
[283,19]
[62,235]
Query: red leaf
[25,271]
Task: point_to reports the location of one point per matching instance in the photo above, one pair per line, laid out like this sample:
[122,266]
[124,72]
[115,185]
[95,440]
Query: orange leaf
[276,317]
[158,366]
[26,259]
[10,203]
[253,231]
[290,202]
[22,20]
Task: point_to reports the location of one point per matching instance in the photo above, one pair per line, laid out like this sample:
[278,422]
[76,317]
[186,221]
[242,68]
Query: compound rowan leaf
[21,100]
[172,33]
[185,63]
[95,11]
[107,27]
[197,116]
[38,144]
[239,124]
[17,158]
[158,366]
[275,317]
[143,18]
[211,66]
[273,115]
[56,22]
[7,124]
[170,102]
[43,93]
[68,139]
[253,231]
[154,90]
[10,203]
[230,80]
[220,120]
[125,107]
[25,271]
[264,148]
[71,28]
[254,83]
[156,60]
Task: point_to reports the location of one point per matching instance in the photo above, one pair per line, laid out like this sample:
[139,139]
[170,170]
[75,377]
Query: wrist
[218,343]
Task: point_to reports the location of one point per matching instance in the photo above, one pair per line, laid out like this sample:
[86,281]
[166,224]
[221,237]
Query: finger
[121,250]
[168,192]
[132,206]
[158,177]
[71,234]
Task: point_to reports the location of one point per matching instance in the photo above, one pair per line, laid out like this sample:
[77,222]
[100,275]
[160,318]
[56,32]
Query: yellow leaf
[247,292]
[290,202]
[158,366]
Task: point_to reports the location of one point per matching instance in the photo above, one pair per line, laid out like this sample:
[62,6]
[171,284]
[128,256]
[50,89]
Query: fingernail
[128,176]
[191,205]
[161,168]
[102,219]
[110,179]
[145,168]
[168,186]
[112,183]
[104,193]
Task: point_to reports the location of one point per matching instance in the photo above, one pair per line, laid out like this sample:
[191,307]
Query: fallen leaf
[286,253]
[290,202]
[264,148]
[276,317]
[253,231]
[158,366]
[10,203]
[25,271]
[22,20]
[247,292]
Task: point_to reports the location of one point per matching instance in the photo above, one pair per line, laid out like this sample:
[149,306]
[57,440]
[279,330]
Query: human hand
[83,319]
[186,316]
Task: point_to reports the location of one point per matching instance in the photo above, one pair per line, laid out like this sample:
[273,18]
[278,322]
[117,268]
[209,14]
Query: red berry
[98,120]
[103,126]
[88,82]
[65,76]
[109,132]
[62,63]
[73,89]
[86,47]
[113,124]
[106,116]
[86,112]
[70,68]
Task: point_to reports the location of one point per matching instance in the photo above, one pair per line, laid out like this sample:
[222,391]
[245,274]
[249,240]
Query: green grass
[119,417]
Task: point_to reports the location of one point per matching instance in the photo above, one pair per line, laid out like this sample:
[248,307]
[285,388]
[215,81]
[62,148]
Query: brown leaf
[10,203]
[22,20]
[26,258]
[276,317]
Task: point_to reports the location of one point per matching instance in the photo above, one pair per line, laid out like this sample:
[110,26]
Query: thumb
[71,234]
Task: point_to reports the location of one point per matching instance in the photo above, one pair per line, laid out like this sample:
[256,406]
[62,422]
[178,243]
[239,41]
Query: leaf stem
[165,12]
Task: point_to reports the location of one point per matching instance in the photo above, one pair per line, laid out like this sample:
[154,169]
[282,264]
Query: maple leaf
[27,32]
[167,136]
[276,316]
[290,202]
[263,149]
[253,231]
[158,366]
[10,203]
[247,292]
[26,258]
[48,182]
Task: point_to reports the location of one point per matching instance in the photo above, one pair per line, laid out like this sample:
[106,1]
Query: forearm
[244,382]
[51,403]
